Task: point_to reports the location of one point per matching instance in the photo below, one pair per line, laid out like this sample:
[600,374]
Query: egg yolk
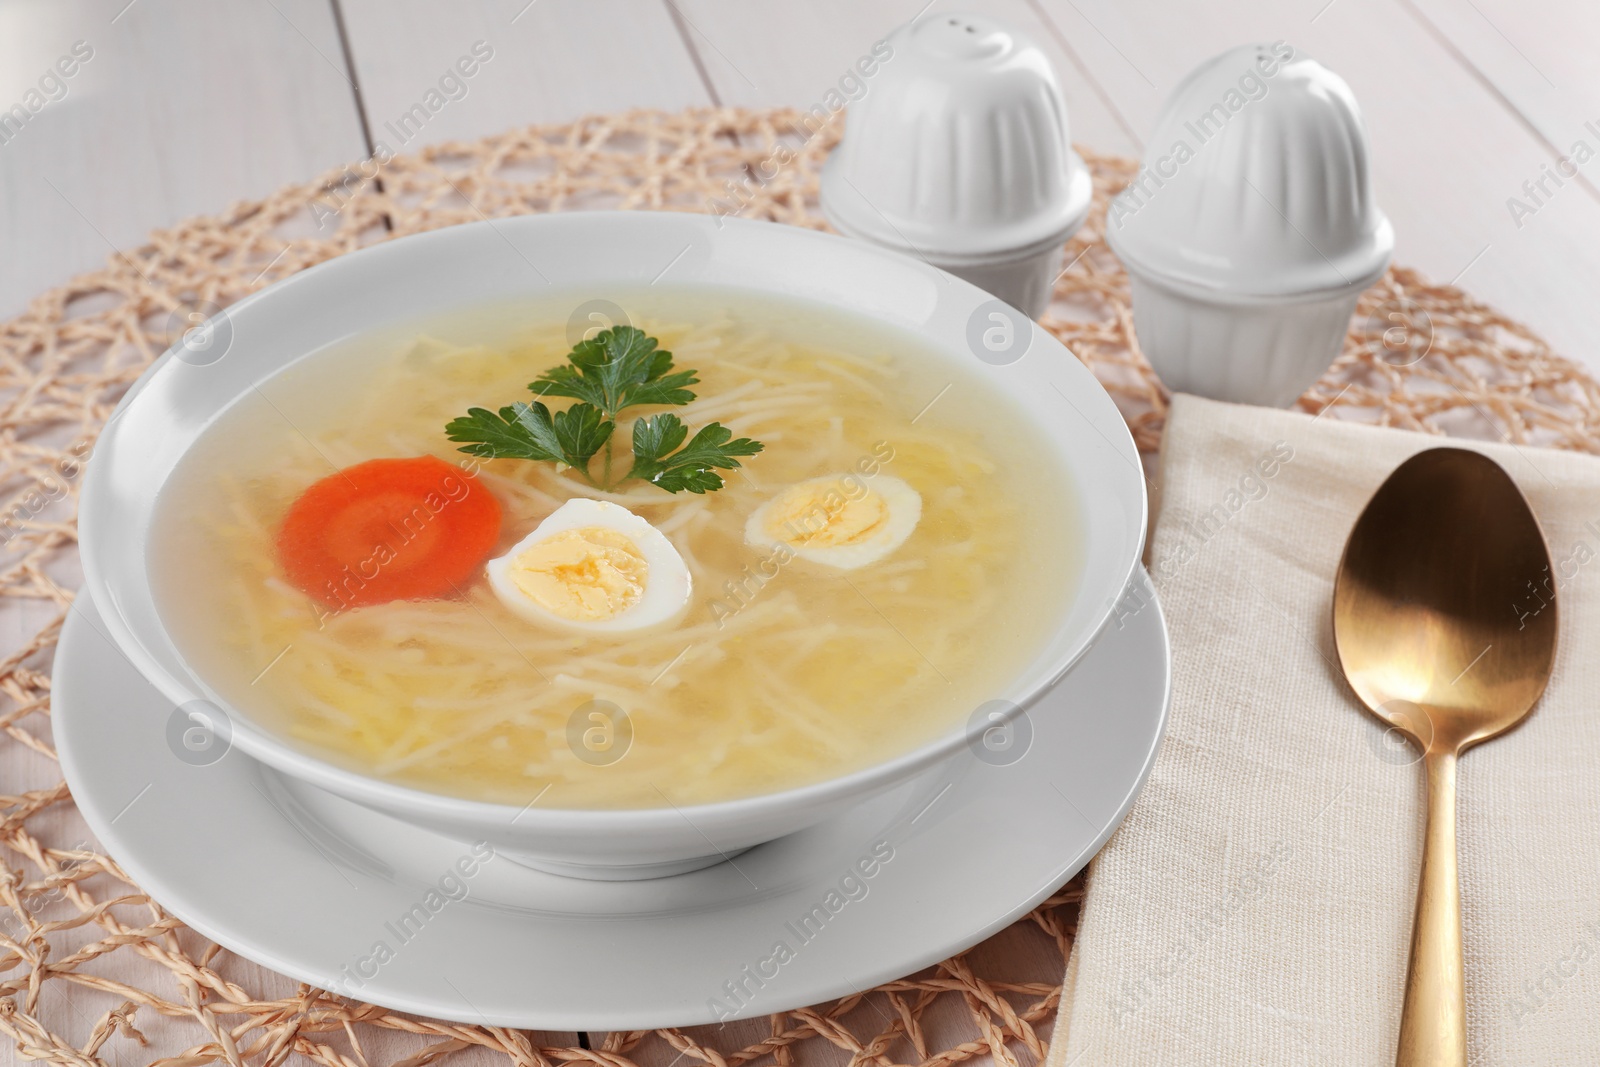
[589,574]
[826,514]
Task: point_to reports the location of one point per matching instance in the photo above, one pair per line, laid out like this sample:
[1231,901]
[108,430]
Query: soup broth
[780,672]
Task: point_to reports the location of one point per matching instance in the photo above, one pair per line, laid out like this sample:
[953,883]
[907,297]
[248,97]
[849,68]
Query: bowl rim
[264,745]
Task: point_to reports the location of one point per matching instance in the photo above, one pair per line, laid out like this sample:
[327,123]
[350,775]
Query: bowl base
[320,808]
[631,872]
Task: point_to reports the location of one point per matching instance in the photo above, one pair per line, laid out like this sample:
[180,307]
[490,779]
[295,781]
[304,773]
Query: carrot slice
[388,529]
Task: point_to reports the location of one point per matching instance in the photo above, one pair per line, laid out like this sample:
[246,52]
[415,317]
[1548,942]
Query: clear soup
[780,672]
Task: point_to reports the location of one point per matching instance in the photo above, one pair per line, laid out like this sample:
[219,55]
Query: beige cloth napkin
[1256,906]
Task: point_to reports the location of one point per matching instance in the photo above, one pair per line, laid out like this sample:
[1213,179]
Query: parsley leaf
[582,431]
[655,437]
[615,369]
[657,460]
[667,389]
[529,431]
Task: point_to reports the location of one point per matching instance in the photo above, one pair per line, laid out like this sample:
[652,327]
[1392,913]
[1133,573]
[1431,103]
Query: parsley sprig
[617,369]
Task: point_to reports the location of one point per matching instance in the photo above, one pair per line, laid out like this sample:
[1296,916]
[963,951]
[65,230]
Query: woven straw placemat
[95,972]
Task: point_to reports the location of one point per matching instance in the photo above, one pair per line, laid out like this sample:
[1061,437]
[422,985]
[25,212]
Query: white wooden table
[185,106]
[180,107]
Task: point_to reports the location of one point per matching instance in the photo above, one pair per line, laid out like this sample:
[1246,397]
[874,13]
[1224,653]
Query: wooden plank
[1537,56]
[767,53]
[548,61]
[1447,151]
[1542,76]
[174,108]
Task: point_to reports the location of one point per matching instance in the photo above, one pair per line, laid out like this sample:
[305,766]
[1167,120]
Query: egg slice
[594,566]
[842,520]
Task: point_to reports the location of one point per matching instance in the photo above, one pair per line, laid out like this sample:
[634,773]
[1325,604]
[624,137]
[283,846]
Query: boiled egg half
[841,520]
[595,566]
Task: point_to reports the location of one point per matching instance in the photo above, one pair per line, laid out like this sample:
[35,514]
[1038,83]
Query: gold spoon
[1445,622]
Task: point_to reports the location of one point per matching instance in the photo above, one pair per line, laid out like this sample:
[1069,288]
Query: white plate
[309,884]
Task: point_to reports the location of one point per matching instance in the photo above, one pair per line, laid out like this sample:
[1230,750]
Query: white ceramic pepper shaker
[959,154]
[1251,229]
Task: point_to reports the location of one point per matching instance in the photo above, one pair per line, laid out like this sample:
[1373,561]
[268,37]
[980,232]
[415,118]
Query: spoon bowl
[1442,605]
[1445,622]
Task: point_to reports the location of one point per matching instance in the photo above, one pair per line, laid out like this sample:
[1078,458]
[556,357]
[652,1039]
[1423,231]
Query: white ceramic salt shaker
[1251,229]
[958,153]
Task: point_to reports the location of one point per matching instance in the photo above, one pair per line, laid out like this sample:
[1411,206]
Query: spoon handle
[1433,1023]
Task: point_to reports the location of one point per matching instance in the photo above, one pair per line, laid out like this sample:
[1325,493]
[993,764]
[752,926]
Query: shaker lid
[1255,182]
[959,145]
